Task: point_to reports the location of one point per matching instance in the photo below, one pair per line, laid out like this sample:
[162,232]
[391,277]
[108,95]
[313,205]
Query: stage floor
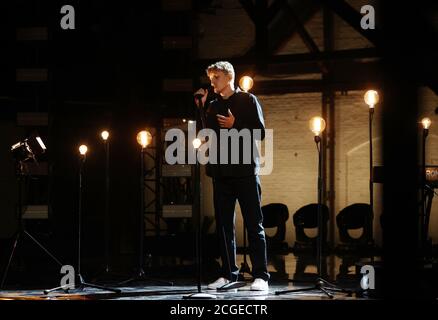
[283,269]
[175,292]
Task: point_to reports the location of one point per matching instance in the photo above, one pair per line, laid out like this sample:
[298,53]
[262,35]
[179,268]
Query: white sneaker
[218,283]
[259,285]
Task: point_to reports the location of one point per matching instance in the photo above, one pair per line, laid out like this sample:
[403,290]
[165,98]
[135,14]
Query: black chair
[354,217]
[358,217]
[306,218]
[275,215]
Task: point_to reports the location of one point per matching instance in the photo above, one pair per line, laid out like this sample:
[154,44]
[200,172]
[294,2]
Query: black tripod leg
[326,292]
[5,274]
[334,287]
[43,248]
[141,277]
[277,293]
[65,288]
[83,284]
[101,287]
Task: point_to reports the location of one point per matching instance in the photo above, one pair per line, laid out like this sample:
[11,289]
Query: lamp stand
[371,183]
[320,283]
[82,283]
[140,274]
[21,232]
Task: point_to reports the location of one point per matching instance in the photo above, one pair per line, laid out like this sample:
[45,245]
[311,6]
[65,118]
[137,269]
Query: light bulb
[426,123]
[144,138]
[371,98]
[196,143]
[317,125]
[246,83]
[104,135]
[83,149]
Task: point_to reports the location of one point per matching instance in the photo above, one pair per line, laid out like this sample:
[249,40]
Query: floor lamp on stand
[83,149]
[317,126]
[107,273]
[371,98]
[144,138]
[245,83]
[425,191]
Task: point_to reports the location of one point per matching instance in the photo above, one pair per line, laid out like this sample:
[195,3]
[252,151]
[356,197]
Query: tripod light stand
[317,126]
[22,151]
[144,138]
[82,284]
[197,206]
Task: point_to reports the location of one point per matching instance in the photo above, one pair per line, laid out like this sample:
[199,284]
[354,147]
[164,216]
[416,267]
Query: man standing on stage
[235,109]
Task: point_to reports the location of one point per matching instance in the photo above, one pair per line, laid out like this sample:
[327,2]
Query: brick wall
[293,180]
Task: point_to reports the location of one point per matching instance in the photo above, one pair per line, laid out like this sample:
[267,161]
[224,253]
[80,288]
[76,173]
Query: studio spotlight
[29,148]
[22,151]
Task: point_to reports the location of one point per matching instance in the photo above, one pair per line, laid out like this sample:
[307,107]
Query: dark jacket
[248,114]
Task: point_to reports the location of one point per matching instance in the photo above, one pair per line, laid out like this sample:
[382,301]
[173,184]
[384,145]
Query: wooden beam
[268,87]
[352,17]
[250,9]
[274,9]
[350,54]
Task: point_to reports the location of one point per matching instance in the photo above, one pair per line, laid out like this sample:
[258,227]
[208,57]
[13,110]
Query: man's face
[219,80]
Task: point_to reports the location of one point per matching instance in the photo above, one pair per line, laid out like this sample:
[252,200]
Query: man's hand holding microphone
[201,95]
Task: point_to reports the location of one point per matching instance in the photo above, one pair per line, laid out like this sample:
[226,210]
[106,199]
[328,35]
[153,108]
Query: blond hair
[224,66]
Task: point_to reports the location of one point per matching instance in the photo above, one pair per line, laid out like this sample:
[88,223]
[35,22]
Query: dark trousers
[248,192]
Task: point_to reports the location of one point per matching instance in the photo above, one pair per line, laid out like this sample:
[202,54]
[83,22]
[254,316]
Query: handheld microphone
[207,87]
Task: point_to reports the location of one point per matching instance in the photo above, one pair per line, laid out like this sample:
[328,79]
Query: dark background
[108,73]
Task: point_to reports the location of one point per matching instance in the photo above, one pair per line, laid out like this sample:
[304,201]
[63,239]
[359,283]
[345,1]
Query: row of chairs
[353,217]
[356,217]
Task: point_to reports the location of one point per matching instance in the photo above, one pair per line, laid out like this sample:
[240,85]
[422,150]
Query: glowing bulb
[371,98]
[105,135]
[83,149]
[196,143]
[426,123]
[317,125]
[144,138]
[246,83]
